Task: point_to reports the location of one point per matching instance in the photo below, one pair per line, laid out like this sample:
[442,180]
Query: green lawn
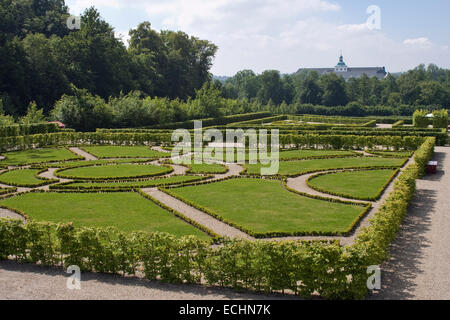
[128,211]
[304,154]
[132,184]
[113,171]
[124,152]
[264,206]
[296,154]
[207,168]
[356,184]
[18,158]
[22,178]
[291,168]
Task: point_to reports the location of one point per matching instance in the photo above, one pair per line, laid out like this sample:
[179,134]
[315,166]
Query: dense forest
[41,59]
[89,78]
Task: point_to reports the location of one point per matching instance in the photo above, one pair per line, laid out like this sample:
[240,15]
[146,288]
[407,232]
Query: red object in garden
[432,167]
[60,124]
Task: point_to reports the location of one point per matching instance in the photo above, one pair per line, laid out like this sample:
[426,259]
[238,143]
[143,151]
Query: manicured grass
[132,184]
[124,152]
[356,184]
[37,156]
[304,154]
[397,154]
[264,206]
[207,168]
[127,211]
[291,168]
[113,171]
[22,178]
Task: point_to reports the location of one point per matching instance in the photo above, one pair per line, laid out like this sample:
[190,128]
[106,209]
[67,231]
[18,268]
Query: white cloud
[421,42]
[281,34]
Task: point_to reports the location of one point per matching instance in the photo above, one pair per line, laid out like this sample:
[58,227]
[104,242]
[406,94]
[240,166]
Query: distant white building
[341,69]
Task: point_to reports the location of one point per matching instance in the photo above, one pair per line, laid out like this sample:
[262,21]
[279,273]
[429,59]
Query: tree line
[41,59]
[89,79]
[420,86]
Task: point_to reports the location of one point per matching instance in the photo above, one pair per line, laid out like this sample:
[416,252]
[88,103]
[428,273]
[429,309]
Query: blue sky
[290,34]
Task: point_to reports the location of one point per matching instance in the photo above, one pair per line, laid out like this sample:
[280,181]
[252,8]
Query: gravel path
[384,126]
[233,170]
[50,174]
[84,154]
[419,266]
[202,218]
[32,282]
[5,213]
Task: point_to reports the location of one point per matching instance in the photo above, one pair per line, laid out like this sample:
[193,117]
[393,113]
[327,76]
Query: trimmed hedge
[313,141]
[4,191]
[59,174]
[330,119]
[420,120]
[213,121]
[440,119]
[67,185]
[399,123]
[23,130]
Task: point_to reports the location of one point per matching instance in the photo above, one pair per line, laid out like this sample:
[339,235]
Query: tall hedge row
[23,130]
[327,269]
[213,121]
[305,140]
[440,119]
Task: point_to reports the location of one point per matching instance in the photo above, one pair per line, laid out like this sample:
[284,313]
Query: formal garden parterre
[98,215]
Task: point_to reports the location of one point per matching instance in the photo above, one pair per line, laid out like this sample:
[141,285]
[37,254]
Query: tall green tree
[334,93]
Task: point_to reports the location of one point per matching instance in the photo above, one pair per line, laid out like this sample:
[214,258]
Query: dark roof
[379,72]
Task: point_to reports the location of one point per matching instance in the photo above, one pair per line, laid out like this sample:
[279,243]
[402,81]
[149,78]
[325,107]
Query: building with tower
[341,69]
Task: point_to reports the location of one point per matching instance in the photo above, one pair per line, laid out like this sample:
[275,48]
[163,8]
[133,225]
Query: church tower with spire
[341,66]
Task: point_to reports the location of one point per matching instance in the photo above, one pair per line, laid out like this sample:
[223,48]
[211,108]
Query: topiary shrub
[440,119]
[420,119]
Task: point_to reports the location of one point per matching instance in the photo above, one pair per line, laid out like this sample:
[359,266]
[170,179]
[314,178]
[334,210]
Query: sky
[286,35]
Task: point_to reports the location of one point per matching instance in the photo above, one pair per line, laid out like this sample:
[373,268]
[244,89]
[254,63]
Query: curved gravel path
[202,218]
[87,156]
[50,174]
[419,266]
[5,213]
[364,222]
